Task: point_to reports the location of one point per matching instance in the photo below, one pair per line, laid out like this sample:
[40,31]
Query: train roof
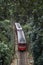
[18,26]
[21,37]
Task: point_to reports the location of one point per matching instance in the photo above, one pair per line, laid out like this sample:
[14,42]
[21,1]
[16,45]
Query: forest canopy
[29,13]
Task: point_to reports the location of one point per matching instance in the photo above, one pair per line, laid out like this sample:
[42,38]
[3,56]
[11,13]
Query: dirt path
[21,58]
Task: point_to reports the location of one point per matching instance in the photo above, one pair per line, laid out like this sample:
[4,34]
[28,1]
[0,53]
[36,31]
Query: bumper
[21,48]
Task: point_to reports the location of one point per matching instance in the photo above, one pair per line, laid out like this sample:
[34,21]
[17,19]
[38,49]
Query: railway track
[23,58]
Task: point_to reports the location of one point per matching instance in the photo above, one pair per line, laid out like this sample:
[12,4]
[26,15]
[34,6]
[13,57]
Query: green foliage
[6,46]
[30,14]
[4,51]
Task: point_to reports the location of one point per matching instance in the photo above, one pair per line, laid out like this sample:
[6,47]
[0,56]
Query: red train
[20,37]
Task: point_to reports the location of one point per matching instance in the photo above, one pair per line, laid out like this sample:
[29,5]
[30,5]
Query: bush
[6,42]
[4,53]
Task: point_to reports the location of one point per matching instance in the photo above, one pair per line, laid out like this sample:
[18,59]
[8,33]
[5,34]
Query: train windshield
[22,44]
[21,37]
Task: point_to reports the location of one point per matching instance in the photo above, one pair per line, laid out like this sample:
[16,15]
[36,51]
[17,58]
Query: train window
[22,44]
[22,39]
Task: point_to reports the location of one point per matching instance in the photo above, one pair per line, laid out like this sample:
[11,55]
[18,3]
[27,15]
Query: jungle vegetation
[29,13]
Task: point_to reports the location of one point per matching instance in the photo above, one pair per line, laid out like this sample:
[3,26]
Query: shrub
[6,42]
